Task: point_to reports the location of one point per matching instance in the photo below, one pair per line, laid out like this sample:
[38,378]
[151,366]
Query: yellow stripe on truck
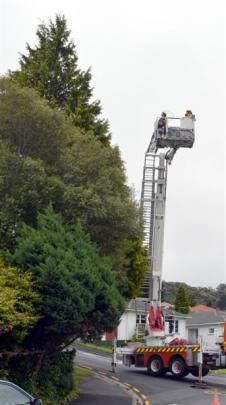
[171,349]
[196,349]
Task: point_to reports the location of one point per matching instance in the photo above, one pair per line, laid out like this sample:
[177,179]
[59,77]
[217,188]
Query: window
[141,319]
[211,331]
[173,325]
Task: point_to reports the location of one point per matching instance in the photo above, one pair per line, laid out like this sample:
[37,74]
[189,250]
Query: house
[202,322]
[207,326]
[175,324]
[133,320]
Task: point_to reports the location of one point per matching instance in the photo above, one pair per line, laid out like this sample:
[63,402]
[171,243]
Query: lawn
[220,371]
[79,375]
[101,346]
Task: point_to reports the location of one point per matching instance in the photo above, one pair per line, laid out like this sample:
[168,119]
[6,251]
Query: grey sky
[147,57]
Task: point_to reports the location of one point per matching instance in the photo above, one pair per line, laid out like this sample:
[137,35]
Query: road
[162,390]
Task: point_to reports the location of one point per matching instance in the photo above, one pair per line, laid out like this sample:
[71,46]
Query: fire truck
[157,354]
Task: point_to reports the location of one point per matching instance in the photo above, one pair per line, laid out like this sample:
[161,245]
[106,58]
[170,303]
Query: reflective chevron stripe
[196,349]
[164,349]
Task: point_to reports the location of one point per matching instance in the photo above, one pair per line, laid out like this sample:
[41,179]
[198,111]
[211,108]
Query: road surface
[158,391]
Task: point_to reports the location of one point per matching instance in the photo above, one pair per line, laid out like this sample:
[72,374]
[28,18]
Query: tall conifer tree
[52,69]
[181,300]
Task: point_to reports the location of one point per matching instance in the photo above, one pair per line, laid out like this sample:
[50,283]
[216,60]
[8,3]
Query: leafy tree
[44,159]
[130,267]
[52,68]
[97,194]
[78,290]
[25,189]
[18,302]
[209,302]
[191,300]
[202,295]
[221,296]
[182,300]
[30,127]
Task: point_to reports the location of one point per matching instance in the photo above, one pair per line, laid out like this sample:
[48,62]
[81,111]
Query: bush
[54,379]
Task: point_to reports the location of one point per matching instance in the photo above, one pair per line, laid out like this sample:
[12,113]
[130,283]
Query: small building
[133,320]
[175,325]
[207,326]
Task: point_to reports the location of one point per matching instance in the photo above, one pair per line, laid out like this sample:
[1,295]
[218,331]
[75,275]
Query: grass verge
[94,346]
[79,373]
[221,371]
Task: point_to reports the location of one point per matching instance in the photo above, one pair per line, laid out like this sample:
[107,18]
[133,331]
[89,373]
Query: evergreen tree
[79,295]
[45,159]
[209,302]
[221,296]
[202,295]
[181,300]
[52,69]
[191,300]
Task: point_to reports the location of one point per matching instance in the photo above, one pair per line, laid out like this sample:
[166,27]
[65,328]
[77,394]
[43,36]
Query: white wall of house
[208,334]
[127,326]
[179,331]
[128,323]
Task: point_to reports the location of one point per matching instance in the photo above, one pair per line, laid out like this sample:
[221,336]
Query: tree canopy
[68,220]
[182,300]
[79,294]
[52,69]
[18,303]
[45,159]
[221,296]
[203,295]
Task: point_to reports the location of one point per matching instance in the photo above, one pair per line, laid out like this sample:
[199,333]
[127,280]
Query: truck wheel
[178,367]
[195,371]
[155,366]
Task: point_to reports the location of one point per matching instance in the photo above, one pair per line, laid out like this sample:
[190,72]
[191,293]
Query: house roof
[202,308]
[139,305]
[205,318]
[170,312]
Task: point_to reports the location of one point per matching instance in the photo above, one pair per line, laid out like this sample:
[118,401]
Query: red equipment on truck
[157,355]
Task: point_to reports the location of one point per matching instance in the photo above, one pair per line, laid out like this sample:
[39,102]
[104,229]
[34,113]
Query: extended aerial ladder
[153,198]
[156,354]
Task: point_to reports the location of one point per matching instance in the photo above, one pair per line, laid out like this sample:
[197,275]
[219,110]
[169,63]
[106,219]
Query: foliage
[55,377]
[182,300]
[18,302]
[56,152]
[30,127]
[78,290]
[221,296]
[97,194]
[25,189]
[131,268]
[99,345]
[52,68]
[203,295]
[191,300]
[42,163]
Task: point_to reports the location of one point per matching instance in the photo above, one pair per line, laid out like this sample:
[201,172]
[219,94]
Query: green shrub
[54,379]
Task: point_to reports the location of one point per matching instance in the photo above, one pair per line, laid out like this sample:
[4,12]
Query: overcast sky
[148,56]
